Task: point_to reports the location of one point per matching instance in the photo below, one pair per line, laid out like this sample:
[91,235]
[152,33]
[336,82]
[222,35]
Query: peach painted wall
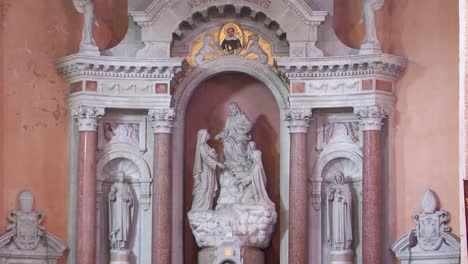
[426,122]
[208,109]
[33,139]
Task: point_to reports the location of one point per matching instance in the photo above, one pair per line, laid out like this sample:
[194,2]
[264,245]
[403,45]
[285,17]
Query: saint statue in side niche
[231,42]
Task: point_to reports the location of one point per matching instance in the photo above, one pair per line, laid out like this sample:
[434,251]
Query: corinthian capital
[163,120]
[298,120]
[87,117]
[370,117]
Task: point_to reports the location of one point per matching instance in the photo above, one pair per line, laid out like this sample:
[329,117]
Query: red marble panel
[76,87]
[91,86]
[384,86]
[298,87]
[366,85]
[161,88]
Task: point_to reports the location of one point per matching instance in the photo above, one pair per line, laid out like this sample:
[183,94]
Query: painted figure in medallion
[121,204]
[231,43]
[26,223]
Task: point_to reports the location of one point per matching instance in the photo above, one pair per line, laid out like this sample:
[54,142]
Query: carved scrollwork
[163,120]
[371,116]
[298,120]
[87,117]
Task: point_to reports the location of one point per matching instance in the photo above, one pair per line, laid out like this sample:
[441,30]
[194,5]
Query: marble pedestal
[231,254]
[119,257]
[341,257]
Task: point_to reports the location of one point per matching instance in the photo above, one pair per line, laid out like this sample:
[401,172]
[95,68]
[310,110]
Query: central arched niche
[207,108]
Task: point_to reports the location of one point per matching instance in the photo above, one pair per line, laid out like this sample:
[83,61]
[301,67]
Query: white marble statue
[86,7]
[204,173]
[368,18]
[340,229]
[120,212]
[257,193]
[235,137]
[244,213]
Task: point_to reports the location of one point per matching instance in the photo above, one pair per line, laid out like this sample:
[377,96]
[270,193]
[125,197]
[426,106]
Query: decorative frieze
[87,117]
[163,120]
[371,117]
[298,120]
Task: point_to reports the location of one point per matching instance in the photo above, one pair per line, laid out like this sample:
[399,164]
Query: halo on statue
[238,33]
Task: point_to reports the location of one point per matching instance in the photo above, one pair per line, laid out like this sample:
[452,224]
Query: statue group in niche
[231,40]
[243,208]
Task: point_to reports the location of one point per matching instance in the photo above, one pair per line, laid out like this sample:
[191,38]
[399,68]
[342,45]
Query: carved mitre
[298,120]
[431,223]
[25,223]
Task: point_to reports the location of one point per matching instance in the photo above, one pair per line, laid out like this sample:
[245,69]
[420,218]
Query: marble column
[86,211]
[298,120]
[163,122]
[371,122]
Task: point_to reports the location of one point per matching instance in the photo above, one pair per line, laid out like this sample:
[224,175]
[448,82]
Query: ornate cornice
[298,120]
[118,67]
[371,117]
[87,117]
[341,66]
[163,120]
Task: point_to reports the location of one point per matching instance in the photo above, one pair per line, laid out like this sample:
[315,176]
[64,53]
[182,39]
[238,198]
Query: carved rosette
[87,117]
[371,117]
[163,120]
[298,120]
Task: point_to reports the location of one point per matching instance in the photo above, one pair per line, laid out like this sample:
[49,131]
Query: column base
[236,255]
[341,257]
[119,256]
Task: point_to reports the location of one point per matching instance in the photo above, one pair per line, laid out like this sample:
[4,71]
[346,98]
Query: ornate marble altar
[26,241]
[244,216]
[431,241]
[128,108]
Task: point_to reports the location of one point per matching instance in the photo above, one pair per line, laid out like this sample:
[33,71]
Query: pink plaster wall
[426,122]
[208,109]
[33,116]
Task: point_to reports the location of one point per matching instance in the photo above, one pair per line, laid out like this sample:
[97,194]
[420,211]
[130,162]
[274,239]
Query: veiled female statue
[235,137]
[204,173]
[257,187]
[120,212]
[340,230]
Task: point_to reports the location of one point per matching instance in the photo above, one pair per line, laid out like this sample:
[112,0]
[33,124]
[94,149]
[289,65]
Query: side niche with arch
[120,158]
[338,145]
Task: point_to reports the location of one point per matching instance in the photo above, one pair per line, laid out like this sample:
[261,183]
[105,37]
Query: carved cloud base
[246,225]
[233,253]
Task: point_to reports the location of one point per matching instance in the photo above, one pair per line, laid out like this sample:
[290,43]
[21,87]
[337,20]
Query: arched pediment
[161,18]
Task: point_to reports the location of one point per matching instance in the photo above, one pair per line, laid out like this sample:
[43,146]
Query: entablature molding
[360,66]
[355,100]
[117,101]
[82,66]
